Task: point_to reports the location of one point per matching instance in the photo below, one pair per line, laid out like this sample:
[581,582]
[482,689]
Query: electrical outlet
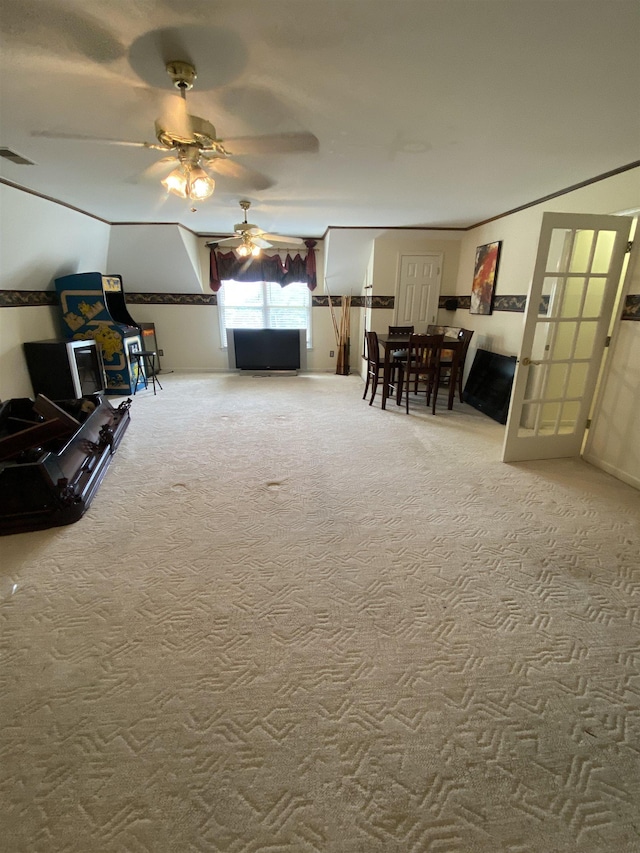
[160,352]
[331,353]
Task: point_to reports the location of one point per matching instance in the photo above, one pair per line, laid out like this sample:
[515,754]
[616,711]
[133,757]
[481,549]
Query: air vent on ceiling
[18,159]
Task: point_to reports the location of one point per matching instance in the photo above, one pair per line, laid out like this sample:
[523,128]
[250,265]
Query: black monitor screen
[488,386]
[267,349]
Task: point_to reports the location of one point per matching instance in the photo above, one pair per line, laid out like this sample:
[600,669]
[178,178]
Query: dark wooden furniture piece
[399,357]
[400,331]
[376,365]
[391,344]
[423,365]
[449,356]
[53,457]
[489,384]
[373,364]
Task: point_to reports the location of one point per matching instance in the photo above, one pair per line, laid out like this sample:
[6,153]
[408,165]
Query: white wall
[392,245]
[39,241]
[16,326]
[156,259]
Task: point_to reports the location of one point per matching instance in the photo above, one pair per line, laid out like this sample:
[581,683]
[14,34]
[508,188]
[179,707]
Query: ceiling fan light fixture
[176,183]
[189,182]
[200,185]
[248,247]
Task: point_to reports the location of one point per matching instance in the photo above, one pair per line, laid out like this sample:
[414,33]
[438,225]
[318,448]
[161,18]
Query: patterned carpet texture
[292,623]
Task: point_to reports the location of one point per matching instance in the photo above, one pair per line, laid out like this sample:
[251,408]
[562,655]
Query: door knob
[526,361]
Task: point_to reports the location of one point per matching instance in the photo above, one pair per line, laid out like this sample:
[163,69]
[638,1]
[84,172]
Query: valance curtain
[225,266]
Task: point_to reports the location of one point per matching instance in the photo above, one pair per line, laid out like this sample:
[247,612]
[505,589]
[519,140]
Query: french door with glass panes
[572,294]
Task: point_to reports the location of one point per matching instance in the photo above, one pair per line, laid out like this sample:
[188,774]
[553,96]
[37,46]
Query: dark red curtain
[225,266]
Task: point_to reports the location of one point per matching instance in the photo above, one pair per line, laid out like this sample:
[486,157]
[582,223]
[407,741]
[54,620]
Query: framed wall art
[484,278]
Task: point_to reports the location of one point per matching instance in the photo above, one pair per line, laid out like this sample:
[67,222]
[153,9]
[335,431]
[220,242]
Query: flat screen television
[65,370]
[267,349]
[488,386]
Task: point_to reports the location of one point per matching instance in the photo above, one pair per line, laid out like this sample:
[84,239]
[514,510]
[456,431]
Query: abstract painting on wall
[484,278]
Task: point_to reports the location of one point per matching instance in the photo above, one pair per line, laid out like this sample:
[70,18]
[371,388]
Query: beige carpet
[292,623]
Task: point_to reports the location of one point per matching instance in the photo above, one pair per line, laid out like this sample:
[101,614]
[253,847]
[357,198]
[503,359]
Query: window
[264,305]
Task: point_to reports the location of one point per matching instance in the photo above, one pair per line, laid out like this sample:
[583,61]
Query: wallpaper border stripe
[509,304]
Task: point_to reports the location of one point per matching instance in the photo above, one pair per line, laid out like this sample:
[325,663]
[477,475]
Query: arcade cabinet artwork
[93,306]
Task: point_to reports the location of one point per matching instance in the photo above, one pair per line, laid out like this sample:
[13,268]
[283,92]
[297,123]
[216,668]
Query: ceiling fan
[195,149]
[250,239]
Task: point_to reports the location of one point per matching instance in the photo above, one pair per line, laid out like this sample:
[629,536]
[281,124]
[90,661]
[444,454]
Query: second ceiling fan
[250,239]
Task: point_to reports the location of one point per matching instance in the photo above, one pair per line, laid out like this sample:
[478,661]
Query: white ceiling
[435,113]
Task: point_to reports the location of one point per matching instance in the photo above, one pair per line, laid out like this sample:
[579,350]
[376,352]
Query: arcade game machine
[93,306]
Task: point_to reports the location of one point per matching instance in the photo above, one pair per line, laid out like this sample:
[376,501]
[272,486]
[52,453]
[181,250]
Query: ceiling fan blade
[159,168]
[78,137]
[260,243]
[229,241]
[229,169]
[276,143]
[277,238]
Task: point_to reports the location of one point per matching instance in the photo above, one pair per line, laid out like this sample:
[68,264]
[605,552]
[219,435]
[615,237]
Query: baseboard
[615,472]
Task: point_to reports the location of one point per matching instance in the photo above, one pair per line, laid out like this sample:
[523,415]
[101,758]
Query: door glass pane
[569,417]
[586,338]
[528,419]
[548,418]
[581,251]
[604,251]
[533,388]
[563,341]
[577,380]
[549,288]
[595,297]
[556,379]
[573,290]
[541,341]
[557,255]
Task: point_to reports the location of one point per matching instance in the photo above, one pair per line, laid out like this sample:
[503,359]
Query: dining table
[392,343]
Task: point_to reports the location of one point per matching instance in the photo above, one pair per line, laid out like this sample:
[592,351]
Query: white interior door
[418,290]
[569,307]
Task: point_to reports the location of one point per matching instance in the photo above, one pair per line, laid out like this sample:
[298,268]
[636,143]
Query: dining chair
[423,365]
[375,365]
[399,356]
[447,357]
[375,368]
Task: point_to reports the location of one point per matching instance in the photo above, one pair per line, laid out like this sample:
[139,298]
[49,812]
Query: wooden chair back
[423,365]
[374,364]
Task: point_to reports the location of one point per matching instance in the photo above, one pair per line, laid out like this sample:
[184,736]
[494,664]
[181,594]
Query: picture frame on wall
[485,273]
